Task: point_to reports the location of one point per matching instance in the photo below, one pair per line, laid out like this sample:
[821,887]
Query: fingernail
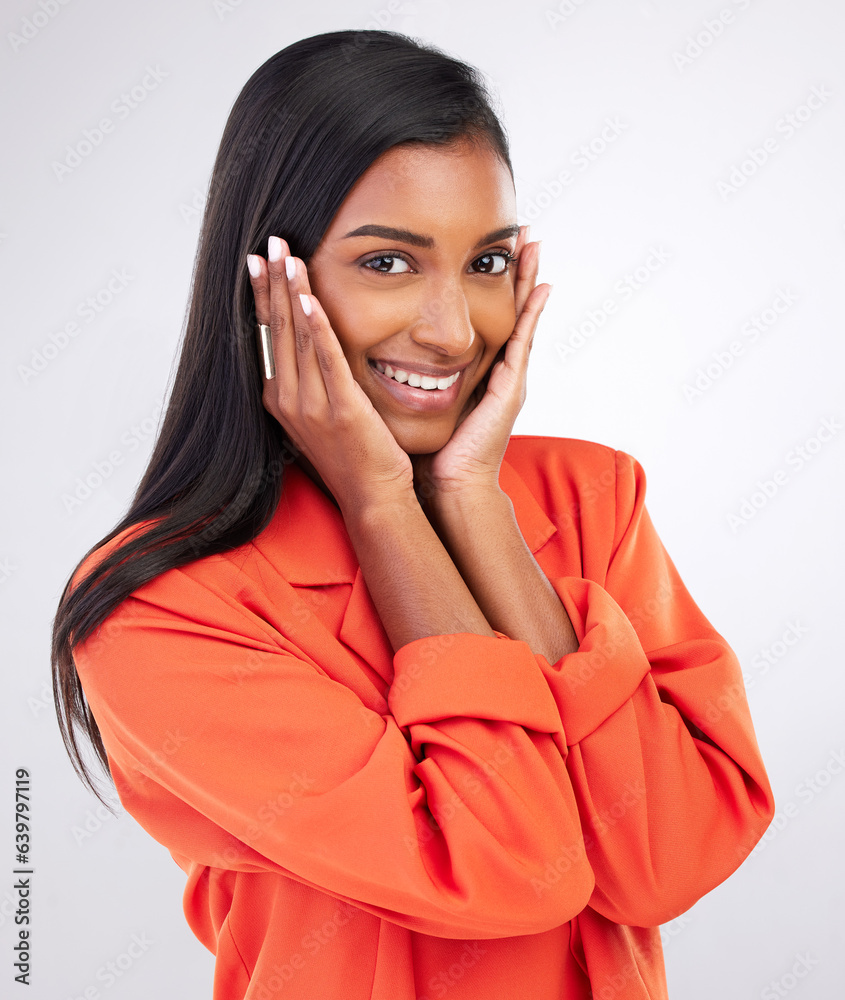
[290,267]
[306,302]
[254,264]
[274,248]
[528,234]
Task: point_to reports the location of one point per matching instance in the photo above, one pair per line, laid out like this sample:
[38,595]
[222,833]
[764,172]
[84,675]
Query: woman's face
[412,275]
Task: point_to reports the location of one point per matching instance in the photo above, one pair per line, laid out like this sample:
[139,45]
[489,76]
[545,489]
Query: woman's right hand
[323,410]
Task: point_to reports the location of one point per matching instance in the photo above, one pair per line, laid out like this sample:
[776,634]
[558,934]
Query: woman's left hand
[469,462]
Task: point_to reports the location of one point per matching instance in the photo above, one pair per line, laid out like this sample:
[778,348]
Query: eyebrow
[418,240]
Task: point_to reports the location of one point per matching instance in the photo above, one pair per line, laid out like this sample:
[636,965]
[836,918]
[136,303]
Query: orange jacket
[459,819]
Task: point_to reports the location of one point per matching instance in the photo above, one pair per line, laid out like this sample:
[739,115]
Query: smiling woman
[443,703]
[420,319]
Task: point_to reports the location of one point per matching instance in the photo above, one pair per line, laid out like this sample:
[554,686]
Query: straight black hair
[306,125]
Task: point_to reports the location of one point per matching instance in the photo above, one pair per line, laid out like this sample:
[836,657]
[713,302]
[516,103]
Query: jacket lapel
[312,549]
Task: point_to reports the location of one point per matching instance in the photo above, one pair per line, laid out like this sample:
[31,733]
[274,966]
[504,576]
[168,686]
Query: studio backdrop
[682,163]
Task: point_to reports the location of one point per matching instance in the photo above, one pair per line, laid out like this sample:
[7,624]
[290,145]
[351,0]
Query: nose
[444,322]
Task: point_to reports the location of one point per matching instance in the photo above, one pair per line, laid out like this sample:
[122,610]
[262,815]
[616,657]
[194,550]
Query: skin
[438,308]
[438,570]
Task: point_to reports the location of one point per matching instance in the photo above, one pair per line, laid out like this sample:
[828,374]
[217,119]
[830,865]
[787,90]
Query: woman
[421,708]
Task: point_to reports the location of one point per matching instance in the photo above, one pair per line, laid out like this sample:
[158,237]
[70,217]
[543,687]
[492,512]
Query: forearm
[482,535]
[415,586]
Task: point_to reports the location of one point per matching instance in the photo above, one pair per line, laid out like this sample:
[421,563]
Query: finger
[526,325]
[518,345]
[324,371]
[257,268]
[527,268]
[281,319]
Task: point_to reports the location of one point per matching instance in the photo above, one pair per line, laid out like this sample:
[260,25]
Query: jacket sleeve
[667,773]
[234,750]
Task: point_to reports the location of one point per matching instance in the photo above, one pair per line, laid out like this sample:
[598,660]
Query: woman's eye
[381,260]
[487,263]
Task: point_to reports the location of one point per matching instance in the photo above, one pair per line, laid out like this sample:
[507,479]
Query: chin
[422,440]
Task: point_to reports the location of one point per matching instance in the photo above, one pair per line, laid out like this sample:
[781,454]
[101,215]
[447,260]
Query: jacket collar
[311,547]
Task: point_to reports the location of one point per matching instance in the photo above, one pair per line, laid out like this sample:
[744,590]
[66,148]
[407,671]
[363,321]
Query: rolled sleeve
[464,674]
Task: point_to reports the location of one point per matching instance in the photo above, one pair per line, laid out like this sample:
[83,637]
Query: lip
[421,400]
[420,369]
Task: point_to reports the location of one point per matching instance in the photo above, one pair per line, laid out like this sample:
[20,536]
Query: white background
[684,123]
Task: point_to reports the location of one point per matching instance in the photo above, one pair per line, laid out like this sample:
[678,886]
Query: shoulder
[585,469]
[99,552]
[211,579]
[591,493]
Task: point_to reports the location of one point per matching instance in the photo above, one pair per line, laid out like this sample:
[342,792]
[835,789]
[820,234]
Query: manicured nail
[528,234]
[290,267]
[274,248]
[306,303]
[254,264]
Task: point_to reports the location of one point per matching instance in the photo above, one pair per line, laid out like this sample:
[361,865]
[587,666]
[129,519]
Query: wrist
[386,507]
[474,508]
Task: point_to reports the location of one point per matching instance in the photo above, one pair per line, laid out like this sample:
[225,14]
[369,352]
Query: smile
[415,391]
[414,379]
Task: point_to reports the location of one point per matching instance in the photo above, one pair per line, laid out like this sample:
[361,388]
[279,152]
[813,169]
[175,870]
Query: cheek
[494,318]
[357,313]
[355,322]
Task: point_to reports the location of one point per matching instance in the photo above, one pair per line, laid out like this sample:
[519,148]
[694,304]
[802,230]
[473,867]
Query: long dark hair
[304,128]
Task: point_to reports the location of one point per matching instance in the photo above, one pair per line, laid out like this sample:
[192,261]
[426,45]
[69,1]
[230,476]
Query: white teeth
[415,380]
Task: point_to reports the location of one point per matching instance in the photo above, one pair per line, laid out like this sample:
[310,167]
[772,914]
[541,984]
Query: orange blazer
[459,818]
